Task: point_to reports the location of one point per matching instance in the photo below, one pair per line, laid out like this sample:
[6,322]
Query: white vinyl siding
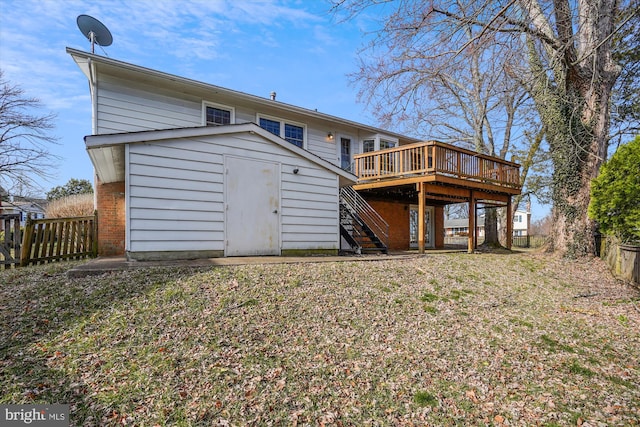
[176,194]
[320,145]
[127,107]
[123,107]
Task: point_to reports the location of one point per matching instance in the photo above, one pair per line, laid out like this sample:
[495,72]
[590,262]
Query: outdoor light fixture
[296,170]
[330,136]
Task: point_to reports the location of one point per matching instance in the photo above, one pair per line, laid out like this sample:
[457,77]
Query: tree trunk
[573,231]
[491,238]
[573,102]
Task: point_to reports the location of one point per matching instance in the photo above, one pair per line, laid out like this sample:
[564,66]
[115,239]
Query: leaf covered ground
[442,339]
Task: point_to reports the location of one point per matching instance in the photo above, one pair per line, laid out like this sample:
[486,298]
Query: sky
[296,48]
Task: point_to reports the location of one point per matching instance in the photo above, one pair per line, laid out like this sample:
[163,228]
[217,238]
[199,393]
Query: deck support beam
[421,213]
[475,233]
[510,223]
[472,222]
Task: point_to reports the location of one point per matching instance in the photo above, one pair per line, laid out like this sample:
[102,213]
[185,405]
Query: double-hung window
[217,115]
[294,134]
[291,132]
[368,145]
[272,126]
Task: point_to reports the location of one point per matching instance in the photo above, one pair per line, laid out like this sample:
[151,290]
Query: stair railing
[358,205]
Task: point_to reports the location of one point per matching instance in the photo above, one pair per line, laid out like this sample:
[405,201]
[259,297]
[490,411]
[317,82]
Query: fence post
[16,240]
[27,237]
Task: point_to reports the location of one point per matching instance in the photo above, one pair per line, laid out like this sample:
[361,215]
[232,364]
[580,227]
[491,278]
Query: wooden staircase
[360,225]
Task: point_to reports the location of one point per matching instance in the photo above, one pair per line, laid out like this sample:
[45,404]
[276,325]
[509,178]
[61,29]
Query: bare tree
[626,92]
[475,98]
[24,140]
[570,74]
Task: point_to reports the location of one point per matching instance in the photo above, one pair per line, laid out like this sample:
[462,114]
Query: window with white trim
[378,142]
[217,115]
[384,144]
[289,131]
[368,145]
[294,134]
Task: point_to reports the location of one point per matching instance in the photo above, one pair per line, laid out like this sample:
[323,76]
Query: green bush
[615,194]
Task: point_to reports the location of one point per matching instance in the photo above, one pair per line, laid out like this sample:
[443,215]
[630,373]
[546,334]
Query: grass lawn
[447,339]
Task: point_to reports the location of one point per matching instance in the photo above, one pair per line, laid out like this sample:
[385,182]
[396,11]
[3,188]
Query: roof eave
[79,55]
[107,151]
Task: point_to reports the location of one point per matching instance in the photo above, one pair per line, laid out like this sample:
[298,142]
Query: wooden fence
[57,239]
[9,240]
[623,260]
[529,241]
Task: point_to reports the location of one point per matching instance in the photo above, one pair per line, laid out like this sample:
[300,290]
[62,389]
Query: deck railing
[437,158]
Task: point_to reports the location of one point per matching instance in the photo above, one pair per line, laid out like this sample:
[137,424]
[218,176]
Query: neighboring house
[24,207]
[186,169]
[521,221]
[460,226]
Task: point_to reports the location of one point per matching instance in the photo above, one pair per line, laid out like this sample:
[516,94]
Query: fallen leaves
[348,343]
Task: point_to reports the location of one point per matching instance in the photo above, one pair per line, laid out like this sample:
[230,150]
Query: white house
[460,226]
[186,169]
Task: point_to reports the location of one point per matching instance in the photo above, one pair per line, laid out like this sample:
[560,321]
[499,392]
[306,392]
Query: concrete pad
[104,265]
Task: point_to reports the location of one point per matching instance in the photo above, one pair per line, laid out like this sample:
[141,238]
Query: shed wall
[176,195]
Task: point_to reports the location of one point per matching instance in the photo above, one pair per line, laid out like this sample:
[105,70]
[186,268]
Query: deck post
[510,223]
[475,234]
[421,210]
[472,222]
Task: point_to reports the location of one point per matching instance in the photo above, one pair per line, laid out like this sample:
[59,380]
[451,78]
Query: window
[270,126]
[376,142]
[368,145]
[217,115]
[293,133]
[386,144]
[368,164]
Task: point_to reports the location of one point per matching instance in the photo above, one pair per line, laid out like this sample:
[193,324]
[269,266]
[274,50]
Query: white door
[428,226]
[252,217]
[345,154]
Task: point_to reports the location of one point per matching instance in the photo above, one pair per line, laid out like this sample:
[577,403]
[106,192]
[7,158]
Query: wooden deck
[434,172]
[439,163]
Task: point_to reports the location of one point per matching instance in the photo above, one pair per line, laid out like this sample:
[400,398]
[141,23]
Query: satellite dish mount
[95,31]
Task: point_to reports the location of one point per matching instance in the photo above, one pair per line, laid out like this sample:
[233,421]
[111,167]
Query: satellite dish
[95,31]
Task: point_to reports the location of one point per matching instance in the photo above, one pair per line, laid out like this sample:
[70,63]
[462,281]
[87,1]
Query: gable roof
[114,67]
[107,150]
